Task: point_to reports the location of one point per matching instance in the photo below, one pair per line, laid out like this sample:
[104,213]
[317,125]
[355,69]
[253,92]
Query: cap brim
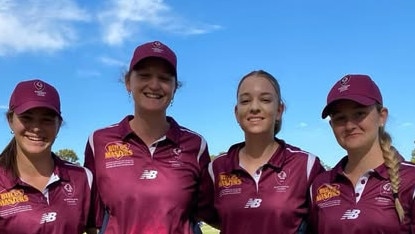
[365,101]
[163,58]
[34,104]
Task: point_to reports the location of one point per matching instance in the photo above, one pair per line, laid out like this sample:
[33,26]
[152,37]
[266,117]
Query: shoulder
[72,169]
[123,124]
[297,154]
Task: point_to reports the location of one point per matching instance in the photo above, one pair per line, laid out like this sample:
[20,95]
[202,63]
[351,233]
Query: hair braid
[392,162]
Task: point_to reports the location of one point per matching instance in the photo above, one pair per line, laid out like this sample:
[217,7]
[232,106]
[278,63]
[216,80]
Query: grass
[206,229]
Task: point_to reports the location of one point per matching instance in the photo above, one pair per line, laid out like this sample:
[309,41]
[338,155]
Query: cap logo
[157,47]
[39,86]
[344,84]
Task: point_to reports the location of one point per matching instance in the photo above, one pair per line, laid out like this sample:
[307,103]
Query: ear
[383,116]
[331,124]
[235,111]
[280,110]
[127,79]
[9,117]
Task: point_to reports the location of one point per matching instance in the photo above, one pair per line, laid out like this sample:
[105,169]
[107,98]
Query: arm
[205,200]
[96,211]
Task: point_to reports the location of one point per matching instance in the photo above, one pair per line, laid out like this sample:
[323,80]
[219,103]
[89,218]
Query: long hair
[392,162]
[8,155]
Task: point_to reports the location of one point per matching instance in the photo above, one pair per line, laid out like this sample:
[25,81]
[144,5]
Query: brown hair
[8,155]
[392,162]
[275,84]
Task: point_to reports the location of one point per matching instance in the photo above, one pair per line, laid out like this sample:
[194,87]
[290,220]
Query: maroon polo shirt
[62,208]
[144,189]
[367,208]
[273,201]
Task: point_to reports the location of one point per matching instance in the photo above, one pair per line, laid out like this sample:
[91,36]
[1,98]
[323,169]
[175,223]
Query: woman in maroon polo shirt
[39,193]
[261,184]
[150,172]
[371,190]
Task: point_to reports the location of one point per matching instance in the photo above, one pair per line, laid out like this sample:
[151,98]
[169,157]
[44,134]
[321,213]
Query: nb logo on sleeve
[48,217]
[253,203]
[351,214]
[148,175]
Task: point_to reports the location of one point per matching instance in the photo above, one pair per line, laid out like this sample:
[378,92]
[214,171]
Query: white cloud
[4,107]
[302,125]
[112,62]
[407,124]
[38,25]
[123,18]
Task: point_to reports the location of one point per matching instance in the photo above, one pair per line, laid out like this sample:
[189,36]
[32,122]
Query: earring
[171,102]
[11,132]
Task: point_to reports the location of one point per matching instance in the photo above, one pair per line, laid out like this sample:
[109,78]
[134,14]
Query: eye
[143,75]
[166,77]
[338,119]
[25,117]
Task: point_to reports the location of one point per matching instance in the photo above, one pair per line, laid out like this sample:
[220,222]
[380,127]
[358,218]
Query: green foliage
[68,155]
[413,155]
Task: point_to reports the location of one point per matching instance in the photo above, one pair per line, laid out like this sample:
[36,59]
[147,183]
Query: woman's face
[35,130]
[258,106]
[152,85]
[356,127]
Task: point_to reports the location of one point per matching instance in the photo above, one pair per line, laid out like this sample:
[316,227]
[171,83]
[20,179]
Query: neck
[256,153]
[360,162]
[35,165]
[149,128]
[259,146]
[364,160]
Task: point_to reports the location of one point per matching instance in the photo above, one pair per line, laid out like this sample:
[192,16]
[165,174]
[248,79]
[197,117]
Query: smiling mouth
[255,119]
[153,95]
[35,138]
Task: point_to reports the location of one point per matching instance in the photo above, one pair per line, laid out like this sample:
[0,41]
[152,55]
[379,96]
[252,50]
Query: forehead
[155,63]
[344,104]
[256,84]
[40,111]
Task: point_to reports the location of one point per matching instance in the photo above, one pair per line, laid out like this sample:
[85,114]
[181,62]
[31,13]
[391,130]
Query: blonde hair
[392,162]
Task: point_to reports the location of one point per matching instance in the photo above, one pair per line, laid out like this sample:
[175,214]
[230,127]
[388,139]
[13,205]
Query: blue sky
[83,47]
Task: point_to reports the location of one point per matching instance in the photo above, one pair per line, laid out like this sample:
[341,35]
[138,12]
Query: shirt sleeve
[96,211]
[205,205]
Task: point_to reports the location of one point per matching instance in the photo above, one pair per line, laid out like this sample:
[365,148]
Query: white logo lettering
[148,175]
[351,214]
[48,217]
[253,203]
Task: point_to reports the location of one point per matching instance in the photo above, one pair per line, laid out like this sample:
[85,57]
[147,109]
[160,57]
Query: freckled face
[35,130]
[152,85]
[258,106]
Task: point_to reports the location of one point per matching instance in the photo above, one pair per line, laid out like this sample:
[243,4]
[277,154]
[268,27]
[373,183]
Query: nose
[350,123]
[254,107]
[154,82]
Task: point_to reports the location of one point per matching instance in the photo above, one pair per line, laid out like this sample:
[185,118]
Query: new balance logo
[48,217]
[148,175]
[253,203]
[351,214]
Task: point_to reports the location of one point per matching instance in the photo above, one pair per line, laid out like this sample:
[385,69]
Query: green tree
[413,155]
[68,155]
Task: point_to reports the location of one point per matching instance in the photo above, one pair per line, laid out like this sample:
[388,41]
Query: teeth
[151,95]
[35,138]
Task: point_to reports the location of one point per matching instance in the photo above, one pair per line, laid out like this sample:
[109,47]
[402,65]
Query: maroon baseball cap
[357,88]
[154,49]
[34,93]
